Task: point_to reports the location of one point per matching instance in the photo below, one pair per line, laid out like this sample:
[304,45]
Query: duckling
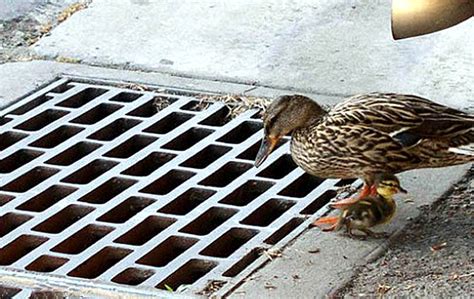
[368,211]
[368,133]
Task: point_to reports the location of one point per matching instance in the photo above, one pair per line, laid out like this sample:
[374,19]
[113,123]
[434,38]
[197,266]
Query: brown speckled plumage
[370,133]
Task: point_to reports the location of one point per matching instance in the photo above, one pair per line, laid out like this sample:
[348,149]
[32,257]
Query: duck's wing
[406,118]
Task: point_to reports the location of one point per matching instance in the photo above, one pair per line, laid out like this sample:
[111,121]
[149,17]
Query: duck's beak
[266,147]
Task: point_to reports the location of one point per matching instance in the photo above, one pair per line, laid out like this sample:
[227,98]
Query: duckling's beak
[401,190]
[266,147]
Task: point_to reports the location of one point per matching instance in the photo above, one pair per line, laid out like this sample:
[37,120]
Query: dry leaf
[437,247]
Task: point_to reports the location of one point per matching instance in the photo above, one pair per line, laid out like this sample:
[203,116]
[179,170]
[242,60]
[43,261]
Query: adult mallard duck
[368,134]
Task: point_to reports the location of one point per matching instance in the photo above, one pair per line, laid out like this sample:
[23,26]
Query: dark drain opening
[243,263]
[130,147]
[218,119]
[81,240]
[4,199]
[226,174]
[229,242]
[133,276]
[302,186]
[30,179]
[246,193]
[268,212]
[10,138]
[82,98]
[18,159]
[107,191]
[126,210]
[146,110]
[187,139]
[208,221]
[100,262]
[125,97]
[145,230]
[189,273]
[96,114]
[284,231]
[167,251]
[46,263]
[206,156]
[90,172]
[57,137]
[149,164]
[7,292]
[280,168]
[319,202]
[46,198]
[241,132]
[63,219]
[169,123]
[186,202]
[31,105]
[19,248]
[11,221]
[168,182]
[196,106]
[115,129]
[41,120]
[74,153]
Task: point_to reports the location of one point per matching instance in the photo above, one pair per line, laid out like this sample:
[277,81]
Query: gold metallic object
[417,17]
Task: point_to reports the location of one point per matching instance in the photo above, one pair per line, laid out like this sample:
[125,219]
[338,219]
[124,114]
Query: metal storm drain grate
[97,184]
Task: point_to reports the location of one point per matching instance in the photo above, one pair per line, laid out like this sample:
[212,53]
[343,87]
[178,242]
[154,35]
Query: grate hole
[11,221]
[206,156]
[284,231]
[149,164]
[90,172]
[208,221]
[280,168]
[17,160]
[130,147]
[74,153]
[63,219]
[268,212]
[226,174]
[126,210]
[46,264]
[18,248]
[148,109]
[57,137]
[31,105]
[319,202]
[100,262]
[125,97]
[241,132]
[133,276]
[218,118]
[5,120]
[169,123]
[47,295]
[114,129]
[8,292]
[145,230]
[243,263]
[4,199]
[246,193]
[187,201]
[345,182]
[187,139]
[81,240]
[229,242]
[46,198]
[96,114]
[30,179]
[82,98]
[8,139]
[251,152]
[41,120]
[167,251]
[302,186]
[168,182]
[189,273]
[196,106]
[107,190]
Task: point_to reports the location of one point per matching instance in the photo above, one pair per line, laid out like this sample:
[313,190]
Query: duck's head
[283,115]
[388,185]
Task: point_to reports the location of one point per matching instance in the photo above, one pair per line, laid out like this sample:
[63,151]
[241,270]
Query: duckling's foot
[332,221]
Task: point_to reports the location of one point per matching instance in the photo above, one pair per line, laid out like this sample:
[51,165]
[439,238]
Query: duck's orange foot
[366,191]
[324,221]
